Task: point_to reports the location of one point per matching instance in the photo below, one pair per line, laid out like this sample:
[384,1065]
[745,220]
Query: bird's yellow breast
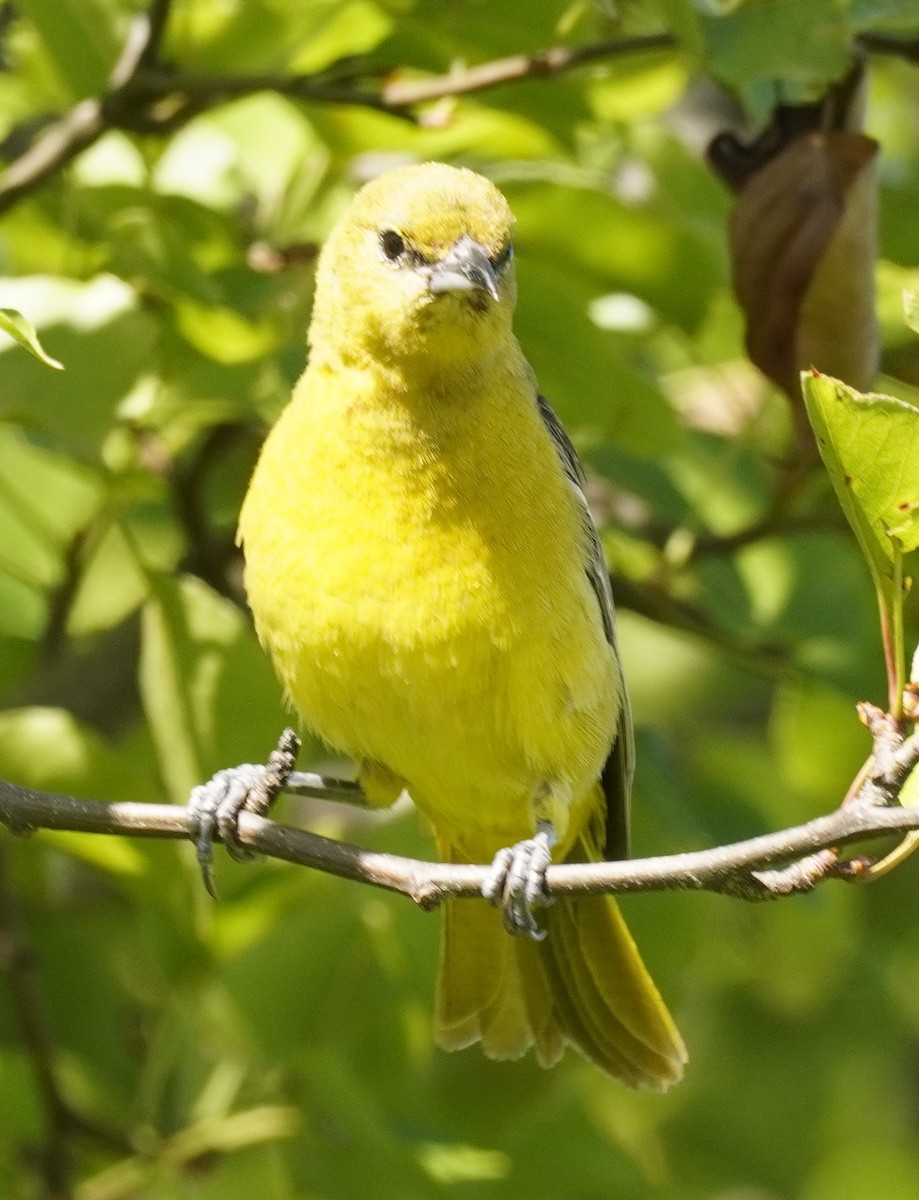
[415,565]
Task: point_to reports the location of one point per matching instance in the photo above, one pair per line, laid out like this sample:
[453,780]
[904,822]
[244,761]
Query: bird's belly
[424,651]
[421,587]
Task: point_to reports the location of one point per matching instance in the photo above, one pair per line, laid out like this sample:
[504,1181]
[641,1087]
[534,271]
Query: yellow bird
[424,571]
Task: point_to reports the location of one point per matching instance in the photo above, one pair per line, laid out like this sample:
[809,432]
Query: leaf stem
[892,635]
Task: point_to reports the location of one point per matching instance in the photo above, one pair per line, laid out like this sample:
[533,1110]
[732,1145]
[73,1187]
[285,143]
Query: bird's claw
[214,807]
[517,881]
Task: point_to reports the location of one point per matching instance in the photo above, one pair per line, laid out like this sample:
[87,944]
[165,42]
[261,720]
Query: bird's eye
[503,257]
[392,244]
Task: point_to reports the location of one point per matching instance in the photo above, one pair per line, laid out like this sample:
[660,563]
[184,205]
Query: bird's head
[419,270]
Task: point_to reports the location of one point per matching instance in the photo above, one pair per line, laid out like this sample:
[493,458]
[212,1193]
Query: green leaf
[803,43]
[870,445]
[80,38]
[22,331]
[107,342]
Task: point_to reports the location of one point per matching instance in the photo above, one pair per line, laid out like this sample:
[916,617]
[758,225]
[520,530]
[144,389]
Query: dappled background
[278,1043]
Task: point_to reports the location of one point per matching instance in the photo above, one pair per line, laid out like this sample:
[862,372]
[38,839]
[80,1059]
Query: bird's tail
[583,985]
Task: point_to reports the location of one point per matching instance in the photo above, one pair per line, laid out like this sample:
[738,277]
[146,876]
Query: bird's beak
[465,268]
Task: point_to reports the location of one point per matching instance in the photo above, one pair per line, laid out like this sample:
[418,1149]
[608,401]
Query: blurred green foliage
[277,1044]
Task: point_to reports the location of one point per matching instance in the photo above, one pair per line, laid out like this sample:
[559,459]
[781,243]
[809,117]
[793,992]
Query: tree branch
[55,148]
[395,96]
[735,869]
[91,118]
[145,96]
[543,64]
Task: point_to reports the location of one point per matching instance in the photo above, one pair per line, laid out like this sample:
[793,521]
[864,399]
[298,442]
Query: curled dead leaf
[803,246]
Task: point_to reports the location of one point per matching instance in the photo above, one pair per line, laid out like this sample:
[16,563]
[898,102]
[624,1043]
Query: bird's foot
[517,881]
[214,807]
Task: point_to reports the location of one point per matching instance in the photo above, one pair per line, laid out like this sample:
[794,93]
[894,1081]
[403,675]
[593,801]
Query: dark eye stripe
[397,250]
[503,257]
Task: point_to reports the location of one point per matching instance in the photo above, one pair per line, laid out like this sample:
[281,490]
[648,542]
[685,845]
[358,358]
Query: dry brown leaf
[803,246]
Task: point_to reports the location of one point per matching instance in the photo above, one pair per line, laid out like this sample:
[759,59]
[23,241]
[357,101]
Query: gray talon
[493,887]
[517,881]
[214,807]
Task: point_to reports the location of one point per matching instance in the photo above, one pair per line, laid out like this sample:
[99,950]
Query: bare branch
[142,44]
[91,118]
[156,84]
[730,869]
[55,148]
[542,64]
[144,95]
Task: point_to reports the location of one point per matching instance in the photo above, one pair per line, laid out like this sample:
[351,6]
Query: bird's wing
[617,774]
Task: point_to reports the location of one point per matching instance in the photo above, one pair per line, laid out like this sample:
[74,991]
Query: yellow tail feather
[584,985]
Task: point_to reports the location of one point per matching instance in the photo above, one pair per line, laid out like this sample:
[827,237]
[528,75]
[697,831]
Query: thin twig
[395,95]
[56,147]
[157,83]
[542,64]
[142,44]
[771,526]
